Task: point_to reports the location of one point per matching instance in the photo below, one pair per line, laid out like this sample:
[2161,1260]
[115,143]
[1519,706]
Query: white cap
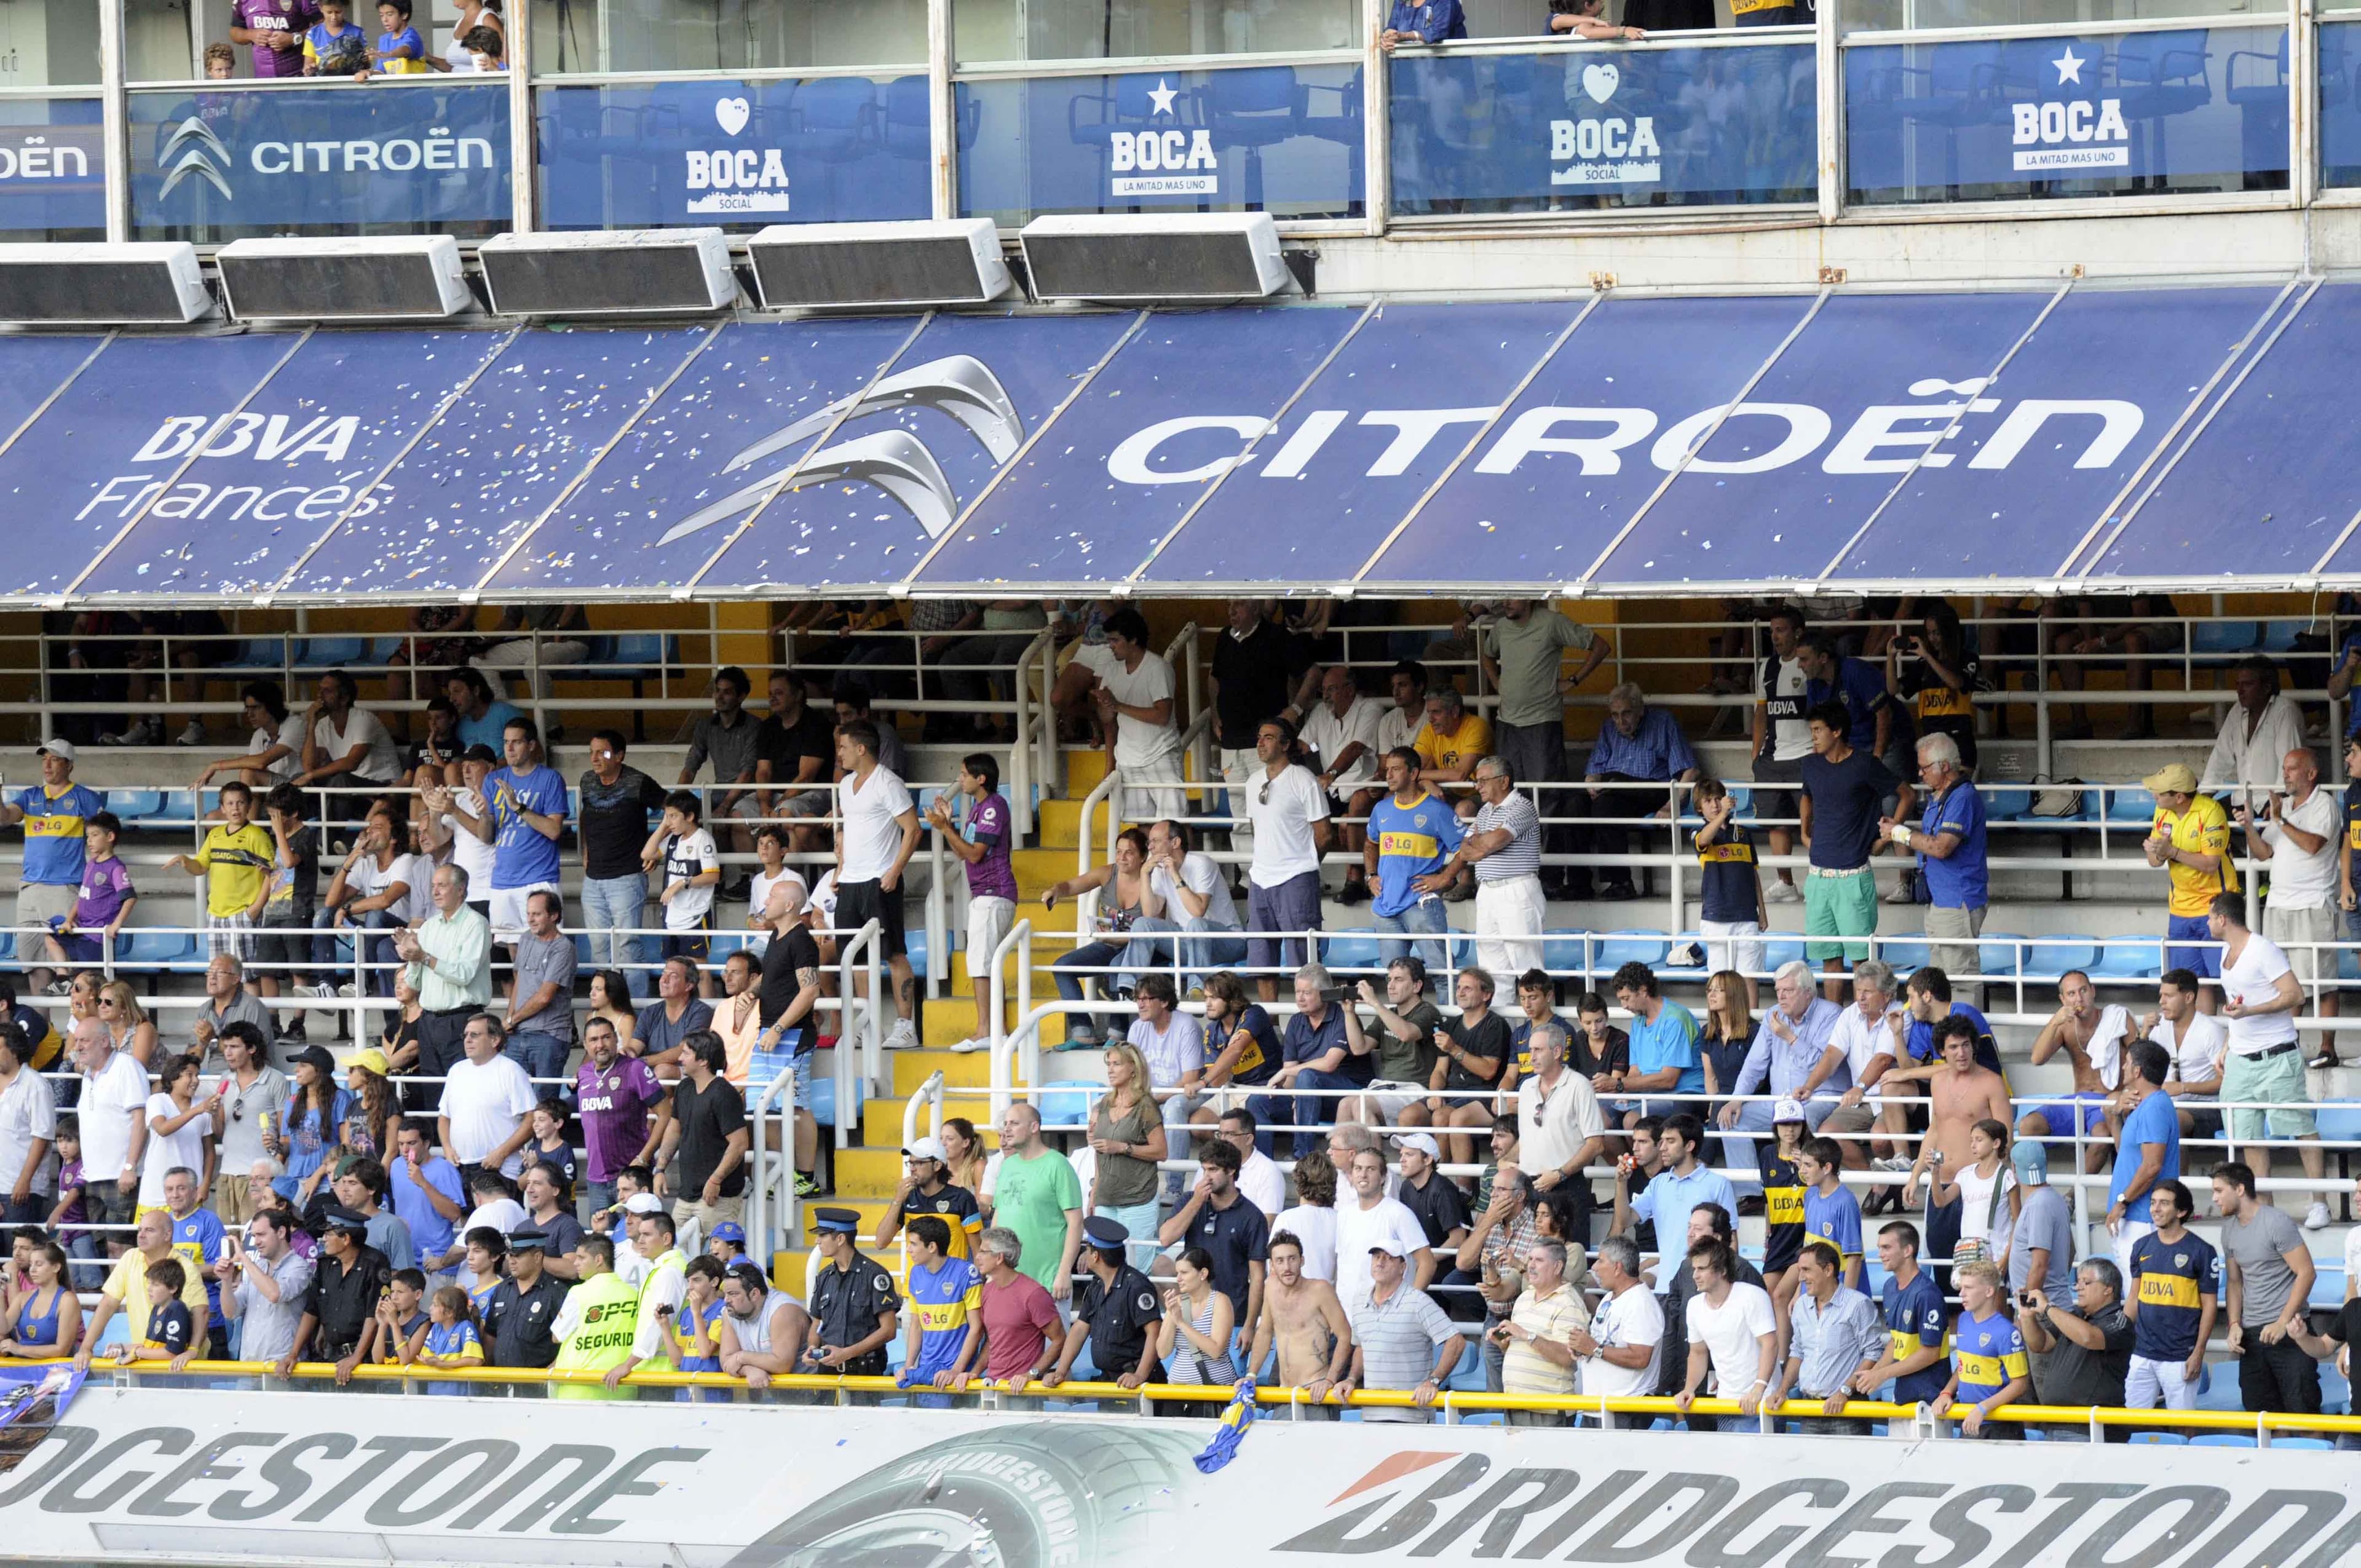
[929,1148]
[1423,1141]
[1786,1110]
[644,1203]
[62,749]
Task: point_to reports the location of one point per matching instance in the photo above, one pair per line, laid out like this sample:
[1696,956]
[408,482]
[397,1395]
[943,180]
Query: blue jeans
[1754,1116]
[541,1055]
[1089,956]
[609,905]
[1423,918]
[376,952]
[1312,1111]
[1202,945]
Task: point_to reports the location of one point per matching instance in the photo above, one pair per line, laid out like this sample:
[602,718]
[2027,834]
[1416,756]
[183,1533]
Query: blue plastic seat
[149,949]
[1996,956]
[135,805]
[2221,637]
[2277,1442]
[1904,953]
[328,653]
[2007,804]
[176,806]
[1068,1103]
[1349,949]
[2160,1439]
[582,952]
[255,654]
[2129,958]
[8,945]
[1562,951]
[2053,956]
[2221,1440]
[1778,952]
[914,944]
[823,1101]
[1635,945]
[2130,804]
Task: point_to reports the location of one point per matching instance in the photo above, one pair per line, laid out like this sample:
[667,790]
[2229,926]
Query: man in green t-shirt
[1038,1195]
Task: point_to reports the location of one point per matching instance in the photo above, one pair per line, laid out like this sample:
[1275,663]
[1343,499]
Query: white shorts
[988,920]
[1732,944]
[1098,658]
[508,908]
[1393,1098]
[1152,790]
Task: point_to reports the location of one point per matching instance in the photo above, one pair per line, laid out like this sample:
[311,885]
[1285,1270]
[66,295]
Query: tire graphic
[1027,1495]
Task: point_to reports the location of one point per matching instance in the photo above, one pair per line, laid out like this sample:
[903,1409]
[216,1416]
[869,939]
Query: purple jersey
[105,884]
[993,876]
[615,1107]
[294,18]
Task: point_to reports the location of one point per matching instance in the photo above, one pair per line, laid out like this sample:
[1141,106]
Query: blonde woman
[1728,1034]
[127,1022]
[1128,1135]
[964,1152]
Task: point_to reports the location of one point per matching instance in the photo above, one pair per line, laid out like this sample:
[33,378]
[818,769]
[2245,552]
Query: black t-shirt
[707,1119]
[1488,1039]
[294,900]
[1440,1206]
[784,746]
[782,960]
[1845,797]
[2080,1376]
[1254,674]
[1941,708]
[614,821]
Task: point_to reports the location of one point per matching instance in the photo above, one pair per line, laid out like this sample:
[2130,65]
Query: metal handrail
[868,941]
[930,1095]
[781,1088]
[1019,941]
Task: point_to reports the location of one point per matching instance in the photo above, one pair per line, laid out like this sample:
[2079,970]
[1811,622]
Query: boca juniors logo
[1603,145]
[2070,133]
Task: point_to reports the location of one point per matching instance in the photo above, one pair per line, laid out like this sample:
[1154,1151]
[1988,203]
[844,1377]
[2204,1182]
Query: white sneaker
[1778,892]
[974,1044]
[1892,1162]
[314,990]
[2316,1217]
[902,1036]
[347,990]
[144,733]
[193,735]
[1901,893]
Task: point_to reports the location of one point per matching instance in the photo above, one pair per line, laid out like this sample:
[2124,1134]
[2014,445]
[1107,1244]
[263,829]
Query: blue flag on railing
[37,1393]
[1233,1430]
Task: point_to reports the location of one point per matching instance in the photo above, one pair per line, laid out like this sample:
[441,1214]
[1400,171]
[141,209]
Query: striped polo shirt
[1398,1338]
[1521,856]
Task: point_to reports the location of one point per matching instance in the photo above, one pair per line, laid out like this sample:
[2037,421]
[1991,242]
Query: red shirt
[1018,1320]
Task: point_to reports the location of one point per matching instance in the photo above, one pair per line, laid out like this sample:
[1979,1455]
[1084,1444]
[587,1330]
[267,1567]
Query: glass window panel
[1884,16]
[52,170]
[2340,104]
[54,43]
[2059,117]
[572,37]
[1282,140]
[1113,29]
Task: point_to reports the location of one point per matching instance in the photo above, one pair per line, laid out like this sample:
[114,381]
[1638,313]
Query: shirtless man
[1960,1094]
[2093,1038]
[1307,1323]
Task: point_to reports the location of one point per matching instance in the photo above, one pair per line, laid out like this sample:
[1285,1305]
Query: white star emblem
[1162,95]
[2070,67]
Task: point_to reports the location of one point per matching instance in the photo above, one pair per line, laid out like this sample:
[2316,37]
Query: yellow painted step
[1085,766]
[880,1119]
[1038,871]
[1060,823]
[869,1172]
[960,1069]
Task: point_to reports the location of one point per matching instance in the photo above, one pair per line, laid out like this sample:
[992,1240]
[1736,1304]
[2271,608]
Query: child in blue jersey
[171,1334]
[946,1300]
[487,1253]
[1831,1213]
[1990,1368]
[448,1336]
[696,1341]
[335,48]
[401,1316]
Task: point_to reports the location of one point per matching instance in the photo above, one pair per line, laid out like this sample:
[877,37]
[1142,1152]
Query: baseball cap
[1423,1141]
[1786,1110]
[1388,1246]
[62,749]
[2032,1163]
[644,1203]
[731,1231]
[929,1148]
[2173,778]
[370,1060]
[480,752]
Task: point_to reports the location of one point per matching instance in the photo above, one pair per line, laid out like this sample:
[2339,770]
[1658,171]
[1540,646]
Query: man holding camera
[2088,1345]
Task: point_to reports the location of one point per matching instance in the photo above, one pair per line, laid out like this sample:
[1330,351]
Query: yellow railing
[1450,1402]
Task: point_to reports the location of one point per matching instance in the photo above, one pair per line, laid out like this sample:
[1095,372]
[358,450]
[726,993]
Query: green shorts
[2270,1079]
[1839,906]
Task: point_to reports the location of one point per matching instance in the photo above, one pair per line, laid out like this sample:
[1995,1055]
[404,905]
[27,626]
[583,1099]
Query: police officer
[1116,1310]
[519,1325]
[854,1306]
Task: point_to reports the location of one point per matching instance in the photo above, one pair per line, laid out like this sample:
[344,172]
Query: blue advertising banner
[2255,491]
[919,448]
[1780,485]
[1587,443]
[1346,465]
[1604,126]
[530,426]
[116,418]
[735,154]
[276,475]
[52,170]
[2180,109]
[1285,139]
[1178,405]
[2068,420]
[343,158]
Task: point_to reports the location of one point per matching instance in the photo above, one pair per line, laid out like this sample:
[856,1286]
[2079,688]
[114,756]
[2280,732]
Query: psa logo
[1604,146]
[1168,162]
[2077,133]
[735,178]
[894,461]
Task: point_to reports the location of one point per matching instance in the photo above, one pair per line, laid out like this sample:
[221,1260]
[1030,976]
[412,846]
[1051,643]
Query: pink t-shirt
[1019,1318]
[291,16]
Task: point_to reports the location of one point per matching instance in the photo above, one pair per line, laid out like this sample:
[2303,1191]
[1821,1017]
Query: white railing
[853,1086]
[763,1172]
[928,1094]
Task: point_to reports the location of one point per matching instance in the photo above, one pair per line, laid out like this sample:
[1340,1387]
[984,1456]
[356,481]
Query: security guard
[854,1306]
[523,1314]
[598,1323]
[1116,1310]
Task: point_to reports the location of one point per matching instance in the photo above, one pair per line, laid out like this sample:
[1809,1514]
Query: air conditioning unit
[101,285]
[1154,257]
[609,273]
[813,266]
[399,277]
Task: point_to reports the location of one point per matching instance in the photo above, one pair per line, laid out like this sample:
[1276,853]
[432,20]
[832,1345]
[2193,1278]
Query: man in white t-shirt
[485,1118]
[2300,834]
[439,830]
[1615,1356]
[380,888]
[1366,1216]
[343,745]
[1340,733]
[1783,739]
[1292,829]
[1867,1035]
[1259,1177]
[1190,895]
[1733,1331]
[877,832]
[1137,711]
[2196,1042]
[2260,997]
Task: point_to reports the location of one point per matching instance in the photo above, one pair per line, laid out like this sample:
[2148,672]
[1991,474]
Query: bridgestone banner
[184,1476]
